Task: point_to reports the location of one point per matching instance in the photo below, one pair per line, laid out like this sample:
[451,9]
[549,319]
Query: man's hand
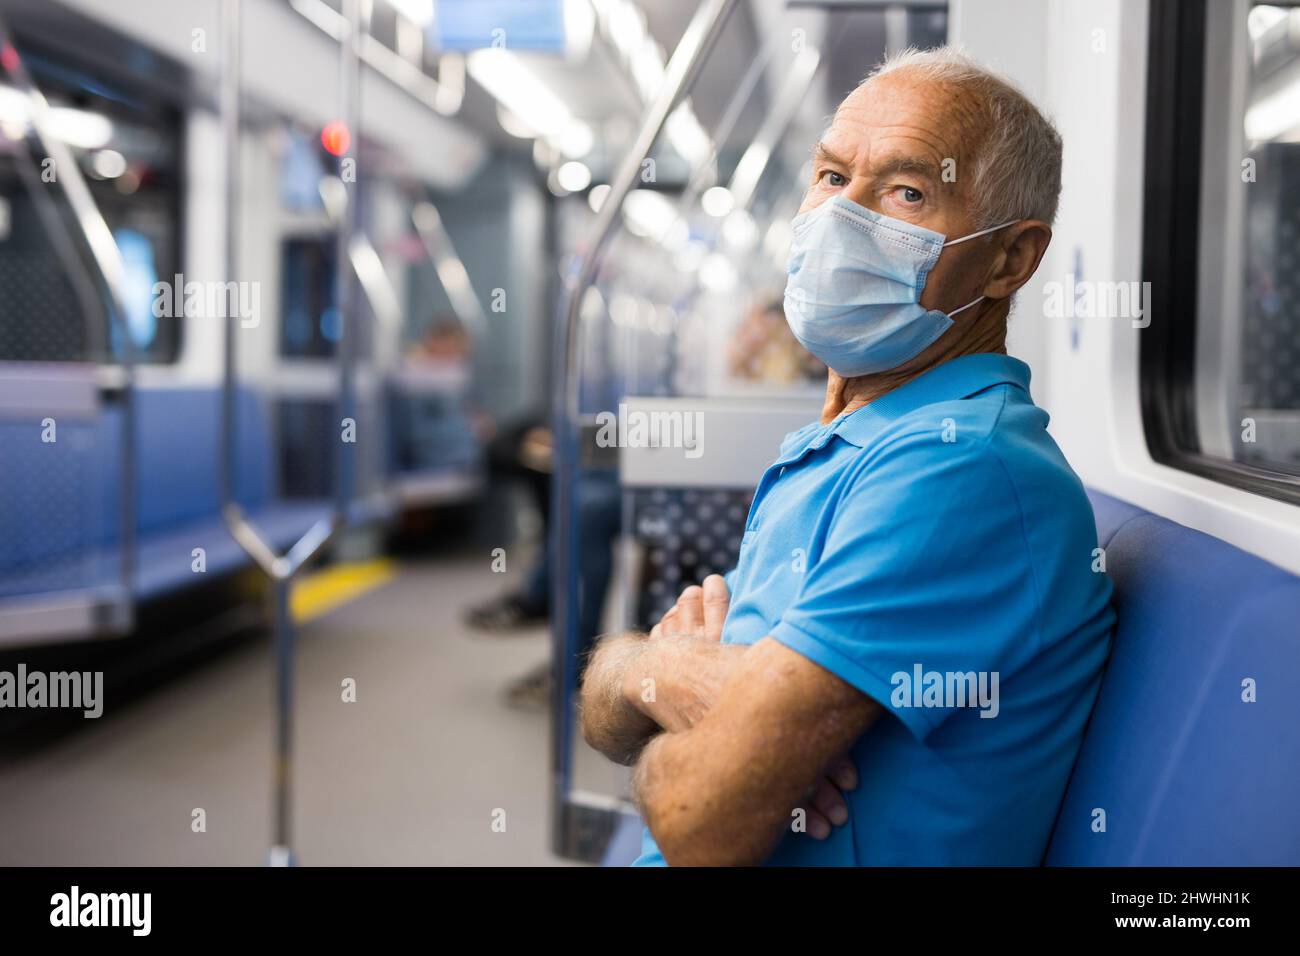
[634,686]
[722,791]
[825,806]
[699,614]
[676,679]
[637,686]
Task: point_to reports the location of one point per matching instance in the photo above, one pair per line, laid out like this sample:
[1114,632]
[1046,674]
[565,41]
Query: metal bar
[282,832]
[108,261]
[274,565]
[680,74]
[441,96]
[281,569]
[357,13]
[450,268]
[378,289]
[749,171]
[744,90]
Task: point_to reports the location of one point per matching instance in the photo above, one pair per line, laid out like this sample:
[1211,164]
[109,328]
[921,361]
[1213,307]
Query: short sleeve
[730,579]
[921,570]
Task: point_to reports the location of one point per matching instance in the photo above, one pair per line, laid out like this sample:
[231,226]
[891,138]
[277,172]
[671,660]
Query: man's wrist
[639,676]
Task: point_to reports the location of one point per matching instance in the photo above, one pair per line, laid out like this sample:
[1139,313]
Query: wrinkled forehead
[903,113]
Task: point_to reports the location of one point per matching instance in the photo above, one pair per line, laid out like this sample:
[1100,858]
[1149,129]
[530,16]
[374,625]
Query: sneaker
[532,691]
[503,614]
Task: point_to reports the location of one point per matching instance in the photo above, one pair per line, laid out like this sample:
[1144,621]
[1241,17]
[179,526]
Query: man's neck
[987,332]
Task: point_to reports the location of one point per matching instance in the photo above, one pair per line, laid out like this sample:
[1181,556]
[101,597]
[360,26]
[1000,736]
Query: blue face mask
[854,291]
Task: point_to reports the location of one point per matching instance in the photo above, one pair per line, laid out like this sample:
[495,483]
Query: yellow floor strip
[319,593]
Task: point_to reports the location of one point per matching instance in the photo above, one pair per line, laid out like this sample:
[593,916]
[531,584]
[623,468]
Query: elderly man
[914,636]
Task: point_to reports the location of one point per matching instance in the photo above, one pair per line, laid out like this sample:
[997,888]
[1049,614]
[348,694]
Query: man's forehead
[897,119]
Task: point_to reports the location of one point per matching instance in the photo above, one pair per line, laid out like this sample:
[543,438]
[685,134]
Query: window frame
[1171,241]
[54,40]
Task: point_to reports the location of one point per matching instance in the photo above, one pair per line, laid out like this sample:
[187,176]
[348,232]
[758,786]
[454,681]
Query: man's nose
[858,189]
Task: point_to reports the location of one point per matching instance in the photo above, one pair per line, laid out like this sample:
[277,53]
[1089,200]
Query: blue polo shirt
[935,550]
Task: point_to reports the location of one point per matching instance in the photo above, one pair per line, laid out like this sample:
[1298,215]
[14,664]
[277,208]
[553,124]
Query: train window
[1222,393]
[310,323]
[129,153]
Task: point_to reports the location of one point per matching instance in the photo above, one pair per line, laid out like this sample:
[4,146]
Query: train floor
[428,766]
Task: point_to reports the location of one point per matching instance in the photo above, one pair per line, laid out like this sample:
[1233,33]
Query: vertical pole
[281,569]
[282,621]
[356,15]
[680,74]
[230,122]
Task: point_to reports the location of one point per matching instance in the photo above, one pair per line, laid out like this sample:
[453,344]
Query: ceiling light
[577,140]
[108,164]
[717,274]
[648,213]
[518,88]
[574,176]
[79,128]
[717,201]
[596,198]
[513,125]
[579,27]
[739,230]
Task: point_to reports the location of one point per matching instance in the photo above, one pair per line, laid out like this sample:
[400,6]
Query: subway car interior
[373,373]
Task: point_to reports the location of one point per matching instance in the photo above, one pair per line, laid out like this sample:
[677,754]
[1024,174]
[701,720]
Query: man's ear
[1023,246]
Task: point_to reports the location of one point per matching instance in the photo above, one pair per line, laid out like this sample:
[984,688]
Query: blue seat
[60,517]
[1186,771]
[179,502]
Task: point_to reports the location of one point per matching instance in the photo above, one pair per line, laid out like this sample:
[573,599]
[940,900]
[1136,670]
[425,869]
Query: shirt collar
[957,378]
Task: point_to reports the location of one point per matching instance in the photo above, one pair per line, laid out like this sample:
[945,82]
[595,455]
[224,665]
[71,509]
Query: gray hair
[1016,170]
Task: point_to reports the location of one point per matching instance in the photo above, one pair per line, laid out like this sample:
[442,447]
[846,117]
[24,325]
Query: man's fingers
[816,825]
[716,600]
[690,610]
[828,801]
[670,624]
[843,773]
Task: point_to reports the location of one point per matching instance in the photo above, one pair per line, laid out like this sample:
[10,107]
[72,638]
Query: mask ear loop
[982,232]
[967,306]
[976,235]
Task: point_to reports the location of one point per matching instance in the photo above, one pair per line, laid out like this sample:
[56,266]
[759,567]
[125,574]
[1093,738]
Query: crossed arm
[751,733]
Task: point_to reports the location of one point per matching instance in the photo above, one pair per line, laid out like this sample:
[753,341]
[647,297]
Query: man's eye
[833,178]
[911,194]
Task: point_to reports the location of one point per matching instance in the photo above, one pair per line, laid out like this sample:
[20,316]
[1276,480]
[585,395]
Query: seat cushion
[1110,515]
[1186,767]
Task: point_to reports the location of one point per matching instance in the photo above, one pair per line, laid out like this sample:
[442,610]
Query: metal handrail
[281,569]
[682,69]
[362,257]
[107,259]
[450,268]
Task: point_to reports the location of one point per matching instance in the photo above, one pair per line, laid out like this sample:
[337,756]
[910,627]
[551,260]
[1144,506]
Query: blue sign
[508,24]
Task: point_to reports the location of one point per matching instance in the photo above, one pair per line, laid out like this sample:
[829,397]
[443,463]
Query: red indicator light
[335,138]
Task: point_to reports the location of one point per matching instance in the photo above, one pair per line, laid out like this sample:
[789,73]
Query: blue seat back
[179,447]
[55,499]
[60,502]
[1187,768]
